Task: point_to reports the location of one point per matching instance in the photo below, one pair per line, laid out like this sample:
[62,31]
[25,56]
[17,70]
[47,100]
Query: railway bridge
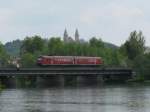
[123,73]
[64,75]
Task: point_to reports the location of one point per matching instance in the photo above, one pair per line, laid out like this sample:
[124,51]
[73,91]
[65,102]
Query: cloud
[113,19]
[110,12]
[125,11]
[89,16]
[6,23]
[6,15]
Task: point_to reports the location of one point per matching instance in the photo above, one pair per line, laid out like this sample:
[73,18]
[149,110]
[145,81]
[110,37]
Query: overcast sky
[112,20]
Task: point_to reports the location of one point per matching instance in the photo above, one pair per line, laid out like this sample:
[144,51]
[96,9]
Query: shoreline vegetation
[133,53]
[1,86]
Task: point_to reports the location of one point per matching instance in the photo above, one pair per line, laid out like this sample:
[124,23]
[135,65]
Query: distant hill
[13,48]
[110,45]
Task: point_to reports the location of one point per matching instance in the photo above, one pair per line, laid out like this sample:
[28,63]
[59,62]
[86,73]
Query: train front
[39,60]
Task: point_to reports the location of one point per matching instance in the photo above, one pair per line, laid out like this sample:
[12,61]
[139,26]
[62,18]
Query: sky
[110,20]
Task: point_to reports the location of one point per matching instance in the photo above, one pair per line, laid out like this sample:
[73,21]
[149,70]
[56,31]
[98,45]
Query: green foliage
[134,52]
[28,60]
[37,43]
[134,46]
[31,48]
[141,64]
[55,46]
[1,86]
[32,44]
[96,42]
[3,56]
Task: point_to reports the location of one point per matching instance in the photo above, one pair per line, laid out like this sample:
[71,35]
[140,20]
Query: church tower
[65,36]
[76,35]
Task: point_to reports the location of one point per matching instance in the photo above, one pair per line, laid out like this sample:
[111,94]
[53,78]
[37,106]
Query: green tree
[3,56]
[55,46]
[32,44]
[96,42]
[37,43]
[31,48]
[28,60]
[141,65]
[135,45]
[27,46]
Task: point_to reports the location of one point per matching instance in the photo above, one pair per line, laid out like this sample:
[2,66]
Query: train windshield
[39,58]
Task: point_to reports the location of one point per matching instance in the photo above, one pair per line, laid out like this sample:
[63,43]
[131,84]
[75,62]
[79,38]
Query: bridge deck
[65,71]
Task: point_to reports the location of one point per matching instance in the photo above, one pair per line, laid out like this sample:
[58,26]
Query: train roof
[46,56]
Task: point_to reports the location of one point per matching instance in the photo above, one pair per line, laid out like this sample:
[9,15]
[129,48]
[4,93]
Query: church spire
[76,35]
[65,36]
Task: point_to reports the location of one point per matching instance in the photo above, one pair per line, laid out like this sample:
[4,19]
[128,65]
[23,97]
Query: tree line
[133,53]
[35,46]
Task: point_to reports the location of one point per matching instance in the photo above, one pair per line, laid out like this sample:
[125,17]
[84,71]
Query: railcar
[69,60]
[87,60]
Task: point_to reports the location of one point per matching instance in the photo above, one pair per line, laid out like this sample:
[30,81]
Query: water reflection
[104,99]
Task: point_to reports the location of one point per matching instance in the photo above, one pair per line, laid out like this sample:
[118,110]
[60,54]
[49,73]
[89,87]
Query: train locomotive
[68,60]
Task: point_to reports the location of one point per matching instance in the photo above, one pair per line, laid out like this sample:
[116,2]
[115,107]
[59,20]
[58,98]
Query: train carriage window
[47,60]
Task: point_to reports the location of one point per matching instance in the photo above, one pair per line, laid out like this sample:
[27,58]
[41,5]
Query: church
[68,38]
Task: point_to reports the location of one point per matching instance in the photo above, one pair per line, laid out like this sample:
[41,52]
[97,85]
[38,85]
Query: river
[107,98]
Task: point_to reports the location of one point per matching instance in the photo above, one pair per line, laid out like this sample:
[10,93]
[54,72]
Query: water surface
[80,99]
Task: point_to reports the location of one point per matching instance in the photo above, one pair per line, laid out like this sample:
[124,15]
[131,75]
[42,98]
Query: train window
[39,59]
[91,60]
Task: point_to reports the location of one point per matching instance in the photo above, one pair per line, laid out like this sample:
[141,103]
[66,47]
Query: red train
[69,60]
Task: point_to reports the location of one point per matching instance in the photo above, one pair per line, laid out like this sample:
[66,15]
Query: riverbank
[1,87]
